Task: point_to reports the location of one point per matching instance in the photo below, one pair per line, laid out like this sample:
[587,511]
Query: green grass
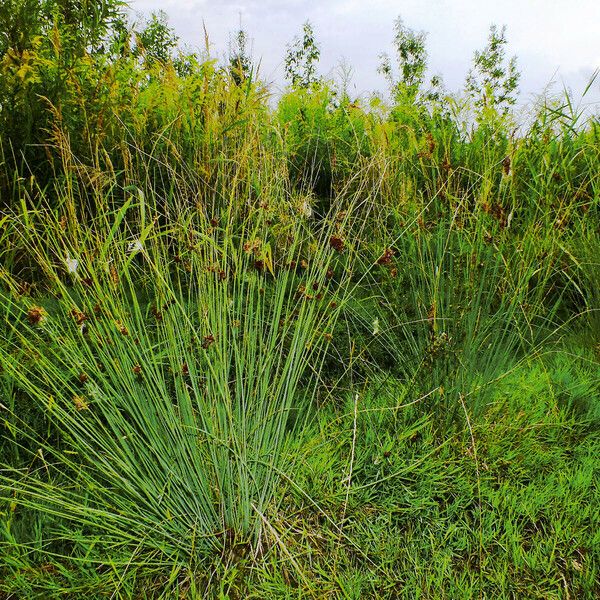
[386,506]
[330,349]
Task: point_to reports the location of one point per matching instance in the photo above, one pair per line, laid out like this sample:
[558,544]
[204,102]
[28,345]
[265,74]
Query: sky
[556,42]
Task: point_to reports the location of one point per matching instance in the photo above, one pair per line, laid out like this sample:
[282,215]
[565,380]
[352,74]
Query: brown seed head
[36,315]
[430,143]
[386,257]
[337,243]
[207,341]
[78,316]
[157,314]
[114,275]
[122,329]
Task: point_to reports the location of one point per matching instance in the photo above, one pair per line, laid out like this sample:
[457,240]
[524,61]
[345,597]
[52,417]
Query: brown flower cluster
[78,316]
[337,243]
[207,341]
[387,257]
[36,315]
[253,246]
[387,260]
[80,403]
[121,328]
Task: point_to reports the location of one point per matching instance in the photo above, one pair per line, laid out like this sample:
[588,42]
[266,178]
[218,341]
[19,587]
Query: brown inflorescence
[387,257]
[253,246]
[114,275]
[157,314]
[78,316]
[122,329]
[36,314]
[337,243]
[208,340]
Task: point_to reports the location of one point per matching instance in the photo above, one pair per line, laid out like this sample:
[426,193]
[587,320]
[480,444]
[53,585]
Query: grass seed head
[80,403]
[122,329]
[337,243]
[207,341]
[36,315]
[78,316]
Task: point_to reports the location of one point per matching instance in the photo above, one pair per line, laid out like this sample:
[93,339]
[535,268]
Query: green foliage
[488,511]
[170,391]
[19,24]
[240,61]
[157,40]
[411,57]
[302,58]
[49,47]
[326,348]
[493,81]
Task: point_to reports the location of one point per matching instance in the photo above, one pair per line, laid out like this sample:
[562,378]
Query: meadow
[294,346]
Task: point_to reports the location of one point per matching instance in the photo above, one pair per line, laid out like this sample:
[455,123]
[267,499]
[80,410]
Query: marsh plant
[312,345]
[168,369]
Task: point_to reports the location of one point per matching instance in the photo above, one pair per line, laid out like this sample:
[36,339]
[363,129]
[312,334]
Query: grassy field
[301,347]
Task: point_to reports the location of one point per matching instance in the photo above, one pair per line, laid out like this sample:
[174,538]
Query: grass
[322,350]
[385,506]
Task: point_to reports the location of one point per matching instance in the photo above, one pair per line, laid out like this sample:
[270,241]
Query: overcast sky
[553,39]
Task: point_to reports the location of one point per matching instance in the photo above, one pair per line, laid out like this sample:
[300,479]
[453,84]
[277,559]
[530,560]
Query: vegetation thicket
[312,346]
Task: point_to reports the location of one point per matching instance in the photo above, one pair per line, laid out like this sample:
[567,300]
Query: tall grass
[278,341]
[167,367]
